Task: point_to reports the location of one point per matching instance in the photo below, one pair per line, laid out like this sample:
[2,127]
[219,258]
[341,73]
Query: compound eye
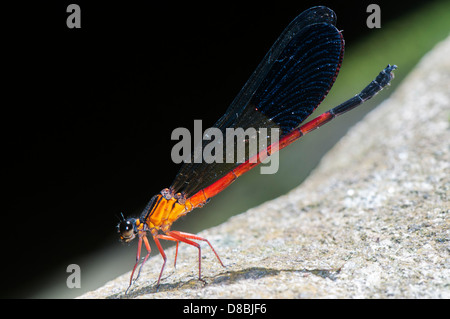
[126,229]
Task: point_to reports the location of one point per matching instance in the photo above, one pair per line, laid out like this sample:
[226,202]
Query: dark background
[87,113]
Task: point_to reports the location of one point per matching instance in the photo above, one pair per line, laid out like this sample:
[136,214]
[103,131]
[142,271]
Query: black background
[87,113]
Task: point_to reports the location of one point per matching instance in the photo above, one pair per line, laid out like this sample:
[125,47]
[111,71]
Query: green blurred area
[402,42]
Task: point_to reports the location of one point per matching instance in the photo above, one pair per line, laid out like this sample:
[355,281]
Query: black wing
[287,86]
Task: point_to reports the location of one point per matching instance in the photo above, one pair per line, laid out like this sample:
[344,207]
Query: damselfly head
[127,229]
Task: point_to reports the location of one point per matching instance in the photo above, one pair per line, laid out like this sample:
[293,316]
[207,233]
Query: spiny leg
[177,236]
[138,258]
[161,250]
[185,237]
[196,237]
[176,255]
[147,246]
[163,254]
[176,251]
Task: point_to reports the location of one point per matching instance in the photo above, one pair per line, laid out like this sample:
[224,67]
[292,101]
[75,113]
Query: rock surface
[372,221]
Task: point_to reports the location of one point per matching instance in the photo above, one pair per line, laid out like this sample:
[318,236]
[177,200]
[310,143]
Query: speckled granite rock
[372,221]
